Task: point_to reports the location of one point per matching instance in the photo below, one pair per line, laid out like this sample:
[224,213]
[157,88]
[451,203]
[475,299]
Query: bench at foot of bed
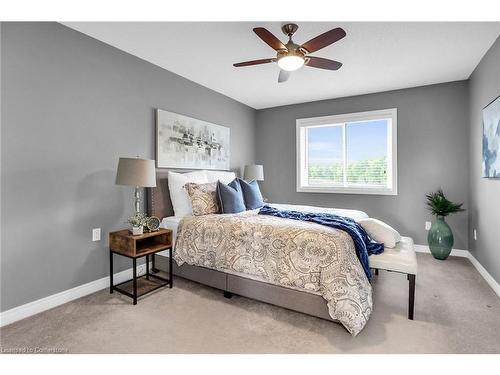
[400,259]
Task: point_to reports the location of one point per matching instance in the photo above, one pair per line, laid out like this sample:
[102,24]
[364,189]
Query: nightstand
[134,247]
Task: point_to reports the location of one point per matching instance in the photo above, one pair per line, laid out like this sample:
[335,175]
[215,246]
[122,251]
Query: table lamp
[138,173]
[254,172]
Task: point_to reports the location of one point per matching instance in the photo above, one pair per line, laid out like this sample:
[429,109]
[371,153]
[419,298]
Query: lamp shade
[136,172]
[254,172]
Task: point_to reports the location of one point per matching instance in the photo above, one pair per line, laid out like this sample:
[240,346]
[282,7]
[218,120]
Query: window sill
[327,190]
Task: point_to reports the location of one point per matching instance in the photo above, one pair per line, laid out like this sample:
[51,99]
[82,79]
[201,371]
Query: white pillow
[222,176]
[380,231]
[178,195]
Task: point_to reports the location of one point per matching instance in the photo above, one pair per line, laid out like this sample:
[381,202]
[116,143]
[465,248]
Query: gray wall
[432,153]
[484,194]
[71,106]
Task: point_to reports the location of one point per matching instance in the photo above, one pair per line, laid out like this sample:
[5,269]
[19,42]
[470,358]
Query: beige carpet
[456,312]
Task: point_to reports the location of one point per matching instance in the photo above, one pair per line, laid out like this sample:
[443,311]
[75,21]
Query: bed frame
[160,205]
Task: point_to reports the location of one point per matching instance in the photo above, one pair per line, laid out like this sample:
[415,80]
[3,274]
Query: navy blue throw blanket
[362,242]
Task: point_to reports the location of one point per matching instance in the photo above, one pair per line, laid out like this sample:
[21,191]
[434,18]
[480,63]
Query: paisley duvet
[294,254]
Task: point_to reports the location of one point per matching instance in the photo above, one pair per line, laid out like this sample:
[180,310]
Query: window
[353,153]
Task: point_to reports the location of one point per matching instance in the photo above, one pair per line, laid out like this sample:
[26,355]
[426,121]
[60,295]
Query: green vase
[440,239]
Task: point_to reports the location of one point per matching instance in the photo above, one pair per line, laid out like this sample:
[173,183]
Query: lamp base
[137,199]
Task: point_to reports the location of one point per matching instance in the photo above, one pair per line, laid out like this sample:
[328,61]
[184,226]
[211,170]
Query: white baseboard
[485,274]
[38,306]
[467,254]
[454,252]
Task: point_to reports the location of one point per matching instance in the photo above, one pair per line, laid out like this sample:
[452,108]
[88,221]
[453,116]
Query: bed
[302,266]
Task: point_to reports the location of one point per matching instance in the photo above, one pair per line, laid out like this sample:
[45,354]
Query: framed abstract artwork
[187,143]
[491,139]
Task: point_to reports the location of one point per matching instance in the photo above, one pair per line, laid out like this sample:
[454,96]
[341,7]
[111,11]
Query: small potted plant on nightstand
[137,221]
[440,237]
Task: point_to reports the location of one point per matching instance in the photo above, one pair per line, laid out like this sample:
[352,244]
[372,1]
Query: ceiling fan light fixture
[291,63]
[292,56]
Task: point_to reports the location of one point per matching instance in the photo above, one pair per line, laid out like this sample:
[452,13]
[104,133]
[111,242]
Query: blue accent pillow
[251,194]
[230,197]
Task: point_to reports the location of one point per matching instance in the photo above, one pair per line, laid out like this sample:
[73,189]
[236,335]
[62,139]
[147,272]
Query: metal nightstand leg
[153,268]
[170,273]
[135,280]
[111,272]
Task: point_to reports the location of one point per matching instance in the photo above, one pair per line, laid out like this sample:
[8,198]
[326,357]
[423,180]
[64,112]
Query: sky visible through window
[366,144]
[365,140]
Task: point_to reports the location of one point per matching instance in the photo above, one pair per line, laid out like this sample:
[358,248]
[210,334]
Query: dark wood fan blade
[323,40]
[284,75]
[269,38]
[254,62]
[319,62]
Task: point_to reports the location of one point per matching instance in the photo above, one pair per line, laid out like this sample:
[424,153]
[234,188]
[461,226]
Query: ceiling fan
[291,56]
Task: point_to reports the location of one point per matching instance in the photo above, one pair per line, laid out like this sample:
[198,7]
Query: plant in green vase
[137,221]
[440,237]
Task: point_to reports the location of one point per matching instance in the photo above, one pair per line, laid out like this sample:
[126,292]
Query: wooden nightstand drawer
[123,242]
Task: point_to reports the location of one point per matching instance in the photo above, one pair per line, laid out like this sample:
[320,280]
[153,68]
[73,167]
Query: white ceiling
[376,56]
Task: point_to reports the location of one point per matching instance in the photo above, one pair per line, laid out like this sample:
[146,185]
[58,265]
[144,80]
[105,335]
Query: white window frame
[392,156]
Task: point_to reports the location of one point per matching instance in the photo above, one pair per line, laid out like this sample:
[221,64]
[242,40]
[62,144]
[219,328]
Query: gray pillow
[251,194]
[230,197]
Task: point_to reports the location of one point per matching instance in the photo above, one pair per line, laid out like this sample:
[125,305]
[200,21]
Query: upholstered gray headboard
[158,198]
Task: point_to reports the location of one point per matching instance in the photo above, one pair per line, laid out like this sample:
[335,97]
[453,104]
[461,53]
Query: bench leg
[227,294]
[376,271]
[411,296]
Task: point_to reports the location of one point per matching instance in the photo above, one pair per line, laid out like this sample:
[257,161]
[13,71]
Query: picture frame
[491,139]
[183,142]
